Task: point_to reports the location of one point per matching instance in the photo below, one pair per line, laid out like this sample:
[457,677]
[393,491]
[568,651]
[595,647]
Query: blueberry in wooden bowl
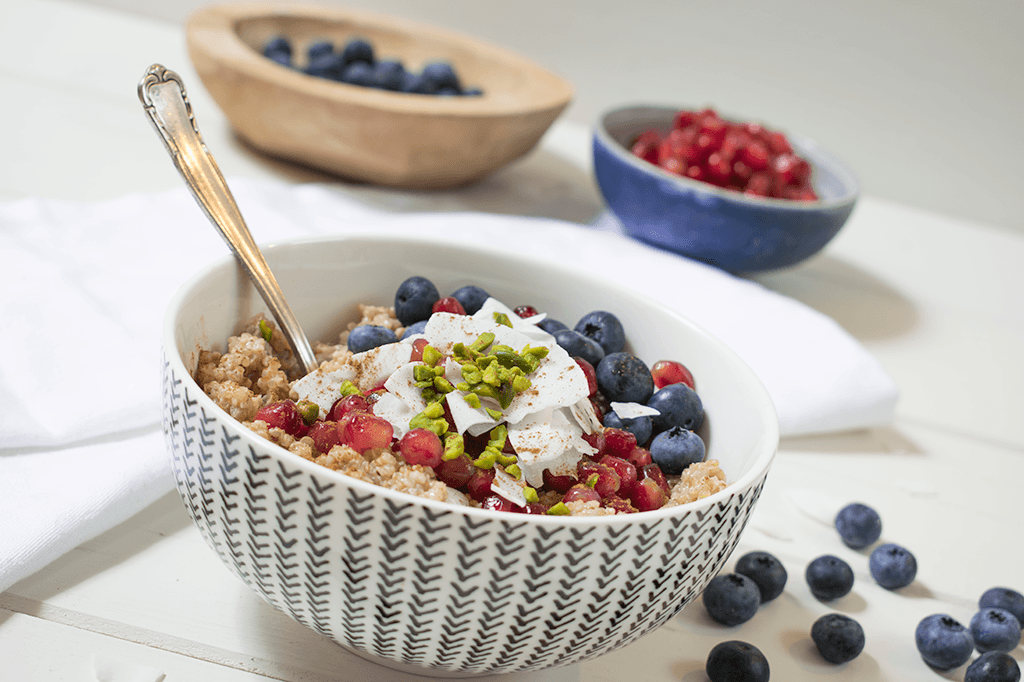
[688,186]
[423,584]
[284,101]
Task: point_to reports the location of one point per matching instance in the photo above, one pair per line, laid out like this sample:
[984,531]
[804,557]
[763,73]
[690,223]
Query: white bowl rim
[757,470]
[804,145]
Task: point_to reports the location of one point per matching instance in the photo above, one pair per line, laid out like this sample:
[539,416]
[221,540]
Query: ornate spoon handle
[163,95]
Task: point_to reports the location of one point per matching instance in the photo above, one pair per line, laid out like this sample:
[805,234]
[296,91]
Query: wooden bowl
[377,136]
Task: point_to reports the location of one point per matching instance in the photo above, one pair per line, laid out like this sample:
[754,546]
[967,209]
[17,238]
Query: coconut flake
[508,487]
[469,418]
[323,388]
[396,411]
[633,410]
[547,440]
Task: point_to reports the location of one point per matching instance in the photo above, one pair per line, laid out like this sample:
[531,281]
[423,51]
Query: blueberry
[414,83]
[471,297]
[388,75]
[766,571]
[279,49]
[676,449]
[604,328]
[638,426]
[414,300]
[326,66]
[839,638]
[472,92]
[551,325]
[367,336]
[829,577]
[357,50]
[358,73]
[319,49]
[892,566]
[859,525]
[623,377]
[993,666]
[1004,598]
[678,405]
[943,642]
[731,598]
[414,328]
[579,346]
[440,75]
[994,629]
[736,661]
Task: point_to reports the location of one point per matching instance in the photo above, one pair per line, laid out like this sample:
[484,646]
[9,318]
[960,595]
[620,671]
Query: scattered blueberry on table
[859,525]
[1004,598]
[736,661]
[829,577]
[839,638]
[731,598]
[357,64]
[766,571]
[993,666]
[943,642]
[995,629]
[892,566]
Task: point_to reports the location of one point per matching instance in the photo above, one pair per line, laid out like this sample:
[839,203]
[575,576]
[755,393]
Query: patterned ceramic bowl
[425,586]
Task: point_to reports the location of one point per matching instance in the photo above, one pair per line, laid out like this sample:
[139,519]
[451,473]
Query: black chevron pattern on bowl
[409,584]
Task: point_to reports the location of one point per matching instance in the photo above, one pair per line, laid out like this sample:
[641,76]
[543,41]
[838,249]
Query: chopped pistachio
[486,459]
[266,331]
[422,373]
[592,480]
[309,411]
[442,385]
[434,410]
[473,400]
[559,510]
[431,355]
[514,471]
[520,384]
[493,413]
[531,494]
[454,446]
[502,318]
[348,388]
[482,342]
[472,374]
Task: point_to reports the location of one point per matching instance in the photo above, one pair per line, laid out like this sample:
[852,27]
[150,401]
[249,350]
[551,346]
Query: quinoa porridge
[535,444]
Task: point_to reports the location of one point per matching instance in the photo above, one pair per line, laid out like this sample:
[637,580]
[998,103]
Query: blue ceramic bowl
[721,227]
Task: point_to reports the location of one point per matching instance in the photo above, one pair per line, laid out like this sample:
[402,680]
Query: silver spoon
[163,95]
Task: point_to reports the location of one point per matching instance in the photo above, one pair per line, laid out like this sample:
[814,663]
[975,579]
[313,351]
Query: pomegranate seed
[672,165]
[647,495]
[362,431]
[624,468]
[619,504]
[325,436]
[422,447]
[618,443]
[525,311]
[496,503]
[755,155]
[759,185]
[559,484]
[479,484]
[695,173]
[640,457]
[607,480]
[455,473]
[778,143]
[666,372]
[448,304]
[654,473]
[645,146]
[533,508]
[282,415]
[347,404]
[581,492]
[588,371]
[684,119]
[718,169]
[417,350]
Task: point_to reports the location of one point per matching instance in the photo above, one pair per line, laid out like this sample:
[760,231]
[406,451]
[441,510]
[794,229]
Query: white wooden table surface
[937,300]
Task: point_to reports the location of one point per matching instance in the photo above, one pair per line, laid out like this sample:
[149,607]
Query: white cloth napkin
[86,286]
